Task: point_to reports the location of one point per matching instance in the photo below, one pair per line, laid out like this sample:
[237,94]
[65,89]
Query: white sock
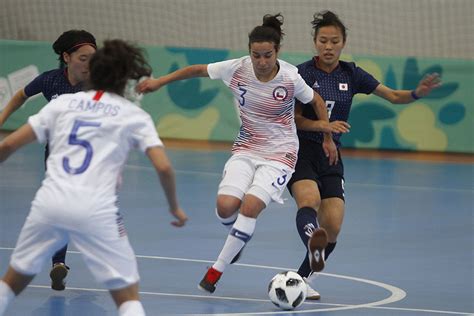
[239,235]
[6,296]
[131,308]
[229,221]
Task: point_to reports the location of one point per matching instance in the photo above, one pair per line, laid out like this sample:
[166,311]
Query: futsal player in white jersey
[264,153]
[90,134]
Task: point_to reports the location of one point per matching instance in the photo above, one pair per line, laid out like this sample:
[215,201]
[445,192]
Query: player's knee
[227,206]
[308,201]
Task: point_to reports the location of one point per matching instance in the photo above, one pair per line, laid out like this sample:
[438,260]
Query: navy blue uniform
[52,84]
[337,89]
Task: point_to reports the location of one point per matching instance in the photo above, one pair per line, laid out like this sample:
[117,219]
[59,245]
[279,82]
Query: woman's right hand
[332,127]
[149,85]
[181,217]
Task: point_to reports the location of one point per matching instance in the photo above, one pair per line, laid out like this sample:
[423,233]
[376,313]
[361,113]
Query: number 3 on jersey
[74,140]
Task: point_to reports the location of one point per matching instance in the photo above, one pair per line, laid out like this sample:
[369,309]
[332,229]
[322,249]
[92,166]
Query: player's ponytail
[327,18]
[269,31]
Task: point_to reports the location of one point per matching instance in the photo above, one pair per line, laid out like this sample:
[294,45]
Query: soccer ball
[287,290]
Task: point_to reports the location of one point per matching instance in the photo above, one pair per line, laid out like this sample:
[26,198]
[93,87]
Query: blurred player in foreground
[90,134]
[74,48]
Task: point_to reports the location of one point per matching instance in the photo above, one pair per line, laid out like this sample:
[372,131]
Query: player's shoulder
[287,66]
[288,69]
[309,64]
[348,66]
[65,97]
[241,62]
[52,73]
[48,75]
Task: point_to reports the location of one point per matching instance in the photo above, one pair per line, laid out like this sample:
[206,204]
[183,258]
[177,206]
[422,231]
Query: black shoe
[58,274]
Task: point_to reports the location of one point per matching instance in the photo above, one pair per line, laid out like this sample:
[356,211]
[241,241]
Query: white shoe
[311,294]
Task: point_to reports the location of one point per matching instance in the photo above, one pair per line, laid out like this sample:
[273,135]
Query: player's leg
[11,285]
[307,198]
[35,245]
[127,301]
[107,252]
[238,237]
[59,270]
[268,183]
[331,217]
[237,176]
[332,205]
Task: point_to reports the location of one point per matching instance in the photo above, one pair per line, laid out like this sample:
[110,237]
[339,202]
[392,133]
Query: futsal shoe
[311,294]
[58,274]
[209,281]
[316,245]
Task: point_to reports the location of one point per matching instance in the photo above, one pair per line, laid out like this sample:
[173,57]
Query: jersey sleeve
[303,92]
[223,70]
[144,134]
[35,86]
[364,82]
[43,121]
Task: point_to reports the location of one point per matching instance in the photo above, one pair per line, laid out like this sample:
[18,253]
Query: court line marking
[397,294]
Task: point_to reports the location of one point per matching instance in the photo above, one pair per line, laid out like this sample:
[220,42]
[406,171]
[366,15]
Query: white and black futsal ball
[287,290]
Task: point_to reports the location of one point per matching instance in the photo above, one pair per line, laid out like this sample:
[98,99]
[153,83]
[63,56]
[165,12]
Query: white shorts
[262,178]
[104,246]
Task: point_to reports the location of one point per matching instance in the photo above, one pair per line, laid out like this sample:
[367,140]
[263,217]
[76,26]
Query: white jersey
[89,136]
[268,127]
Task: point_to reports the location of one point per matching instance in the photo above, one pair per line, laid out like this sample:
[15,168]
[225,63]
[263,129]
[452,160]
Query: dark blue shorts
[312,164]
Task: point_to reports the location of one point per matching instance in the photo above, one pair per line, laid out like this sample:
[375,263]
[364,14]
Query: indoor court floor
[406,246]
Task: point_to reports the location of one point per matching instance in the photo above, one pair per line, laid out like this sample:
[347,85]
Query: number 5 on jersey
[74,140]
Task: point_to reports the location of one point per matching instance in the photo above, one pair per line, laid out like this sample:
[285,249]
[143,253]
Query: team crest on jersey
[316,85]
[280,93]
[343,86]
[54,96]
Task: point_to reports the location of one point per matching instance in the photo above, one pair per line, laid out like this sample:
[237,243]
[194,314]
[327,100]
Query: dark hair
[70,41]
[114,64]
[269,31]
[327,18]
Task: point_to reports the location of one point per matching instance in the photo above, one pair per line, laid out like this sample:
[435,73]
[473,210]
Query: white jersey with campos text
[89,136]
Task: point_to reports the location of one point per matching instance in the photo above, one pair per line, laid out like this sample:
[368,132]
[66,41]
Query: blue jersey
[52,84]
[337,89]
